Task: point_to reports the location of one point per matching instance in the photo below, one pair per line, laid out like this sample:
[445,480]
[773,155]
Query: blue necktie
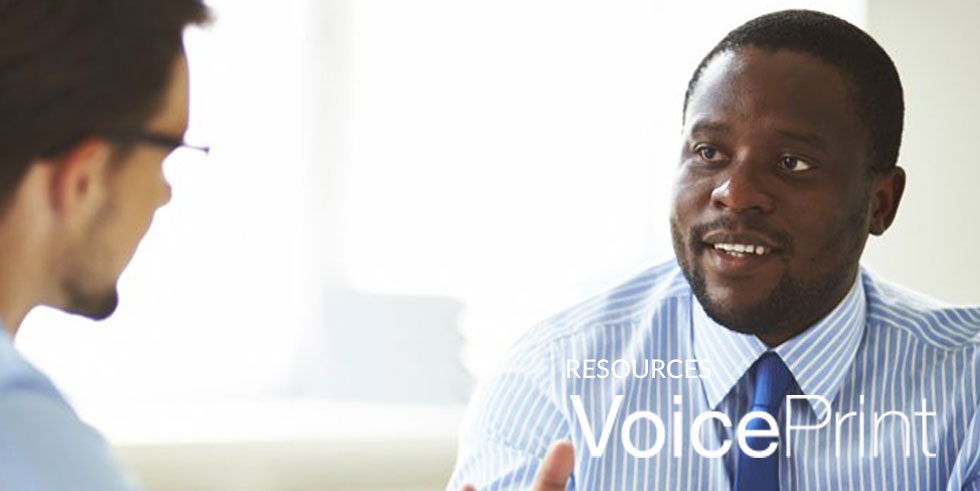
[772,381]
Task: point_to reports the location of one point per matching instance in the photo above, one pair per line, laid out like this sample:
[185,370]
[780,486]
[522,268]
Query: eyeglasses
[168,142]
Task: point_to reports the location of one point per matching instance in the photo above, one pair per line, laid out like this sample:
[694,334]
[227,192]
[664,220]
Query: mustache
[748,224]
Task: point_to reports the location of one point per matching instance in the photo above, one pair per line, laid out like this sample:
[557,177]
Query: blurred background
[397,190]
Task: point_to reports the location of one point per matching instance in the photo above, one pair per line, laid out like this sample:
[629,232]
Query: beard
[795,302]
[94,305]
[92,255]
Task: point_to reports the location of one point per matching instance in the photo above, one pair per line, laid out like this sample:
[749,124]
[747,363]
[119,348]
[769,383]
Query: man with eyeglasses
[93,97]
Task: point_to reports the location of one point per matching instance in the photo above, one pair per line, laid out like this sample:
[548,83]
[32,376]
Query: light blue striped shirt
[880,352]
[43,444]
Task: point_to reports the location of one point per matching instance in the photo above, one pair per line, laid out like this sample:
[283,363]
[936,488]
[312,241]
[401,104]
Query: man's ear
[78,185]
[886,194]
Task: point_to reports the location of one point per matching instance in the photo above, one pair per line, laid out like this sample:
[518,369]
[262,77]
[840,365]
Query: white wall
[932,245]
[517,156]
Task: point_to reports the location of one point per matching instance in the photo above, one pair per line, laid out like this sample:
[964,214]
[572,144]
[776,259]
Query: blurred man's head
[792,126]
[93,97]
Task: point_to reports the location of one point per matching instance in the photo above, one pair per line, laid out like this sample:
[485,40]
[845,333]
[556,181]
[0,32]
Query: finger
[467,487]
[556,468]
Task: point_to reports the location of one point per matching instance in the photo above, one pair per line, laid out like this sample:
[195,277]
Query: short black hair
[877,90]
[73,68]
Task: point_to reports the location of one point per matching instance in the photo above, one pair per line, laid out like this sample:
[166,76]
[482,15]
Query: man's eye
[794,164]
[709,154]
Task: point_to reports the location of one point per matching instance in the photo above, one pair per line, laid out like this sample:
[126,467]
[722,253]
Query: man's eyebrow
[709,126]
[809,138]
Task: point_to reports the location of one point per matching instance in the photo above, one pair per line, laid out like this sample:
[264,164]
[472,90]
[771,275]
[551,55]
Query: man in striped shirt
[792,126]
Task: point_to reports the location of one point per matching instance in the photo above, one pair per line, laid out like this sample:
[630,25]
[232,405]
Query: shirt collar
[819,357]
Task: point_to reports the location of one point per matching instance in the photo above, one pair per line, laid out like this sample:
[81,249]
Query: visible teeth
[740,250]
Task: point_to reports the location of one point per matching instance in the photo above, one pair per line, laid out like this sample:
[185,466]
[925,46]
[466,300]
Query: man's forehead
[781,83]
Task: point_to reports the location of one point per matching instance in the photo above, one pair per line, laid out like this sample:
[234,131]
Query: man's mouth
[741,243]
[742,250]
[739,253]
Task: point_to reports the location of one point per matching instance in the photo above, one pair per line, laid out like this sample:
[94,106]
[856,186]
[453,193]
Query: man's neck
[21,275]
[15,302]
[28,256]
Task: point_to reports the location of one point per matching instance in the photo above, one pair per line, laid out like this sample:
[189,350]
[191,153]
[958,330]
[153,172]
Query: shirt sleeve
[44,446]
[511,421]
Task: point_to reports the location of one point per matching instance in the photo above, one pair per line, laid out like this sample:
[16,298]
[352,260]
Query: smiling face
[773,200]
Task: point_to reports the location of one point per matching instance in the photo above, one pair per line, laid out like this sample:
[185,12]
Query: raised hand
[555,470]
[557,467]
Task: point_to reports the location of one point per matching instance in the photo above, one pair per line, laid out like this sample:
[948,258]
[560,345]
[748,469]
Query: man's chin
[745,317]
[93,306]
[787,307]
[747,308]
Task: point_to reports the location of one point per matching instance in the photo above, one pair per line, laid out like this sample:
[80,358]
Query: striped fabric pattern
[882,350]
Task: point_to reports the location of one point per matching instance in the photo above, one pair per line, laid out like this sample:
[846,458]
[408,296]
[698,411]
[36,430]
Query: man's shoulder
[925,319]
[43,443]
[17,375]
[628,305]
[46,446]
[28,395]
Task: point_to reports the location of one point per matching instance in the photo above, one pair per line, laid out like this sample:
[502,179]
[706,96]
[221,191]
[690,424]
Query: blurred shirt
[43,444]
[881,349]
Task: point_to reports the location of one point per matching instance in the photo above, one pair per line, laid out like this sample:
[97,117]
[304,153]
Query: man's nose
[742,188]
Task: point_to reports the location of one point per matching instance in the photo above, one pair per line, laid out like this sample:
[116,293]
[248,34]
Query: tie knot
[772,381]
